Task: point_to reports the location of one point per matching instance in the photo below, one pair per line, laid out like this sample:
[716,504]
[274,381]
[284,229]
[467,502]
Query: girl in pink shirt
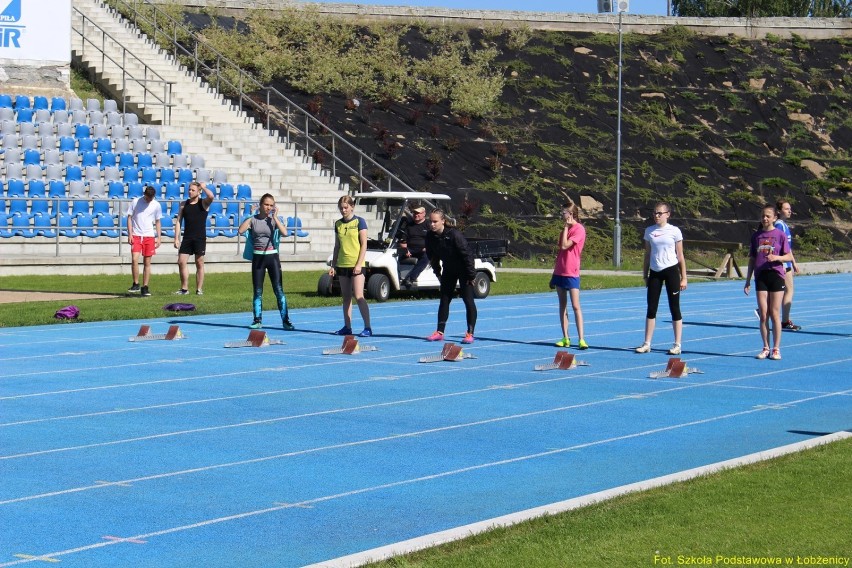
[566,273]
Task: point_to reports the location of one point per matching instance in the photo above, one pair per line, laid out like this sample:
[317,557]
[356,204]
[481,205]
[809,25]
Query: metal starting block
[256,338]
[562,361]
[146,335]
[675,369]
[350,346]
[450,352]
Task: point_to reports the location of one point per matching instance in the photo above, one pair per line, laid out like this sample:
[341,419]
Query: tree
[762,8]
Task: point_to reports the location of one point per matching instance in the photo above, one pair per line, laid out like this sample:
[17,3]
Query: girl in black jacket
[452,263]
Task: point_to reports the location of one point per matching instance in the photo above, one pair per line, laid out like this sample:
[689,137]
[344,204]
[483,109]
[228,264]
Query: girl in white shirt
[664,263]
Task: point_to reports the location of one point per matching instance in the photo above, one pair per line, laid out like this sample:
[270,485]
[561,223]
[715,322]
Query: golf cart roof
[400,196]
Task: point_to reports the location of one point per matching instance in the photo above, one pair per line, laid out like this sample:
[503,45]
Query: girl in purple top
[766,257]
[566,273]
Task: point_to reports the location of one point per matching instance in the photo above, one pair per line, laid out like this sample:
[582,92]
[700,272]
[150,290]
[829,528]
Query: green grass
[223,293]
[796,505]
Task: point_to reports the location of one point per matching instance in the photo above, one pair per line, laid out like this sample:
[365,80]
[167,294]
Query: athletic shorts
[769,281]
[146,245]
[567,282]
[193,246]
[346,272]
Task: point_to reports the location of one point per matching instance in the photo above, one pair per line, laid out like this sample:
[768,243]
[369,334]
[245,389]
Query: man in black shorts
[193,213]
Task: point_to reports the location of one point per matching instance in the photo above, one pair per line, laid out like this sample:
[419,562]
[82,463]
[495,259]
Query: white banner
[38,30]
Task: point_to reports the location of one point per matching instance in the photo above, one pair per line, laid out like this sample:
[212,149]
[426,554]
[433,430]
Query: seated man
[412,244]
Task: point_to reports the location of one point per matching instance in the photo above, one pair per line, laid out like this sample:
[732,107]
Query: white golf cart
[384,268]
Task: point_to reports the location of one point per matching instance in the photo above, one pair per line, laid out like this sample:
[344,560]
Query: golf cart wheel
[378,287]
[324,286]
[481,285]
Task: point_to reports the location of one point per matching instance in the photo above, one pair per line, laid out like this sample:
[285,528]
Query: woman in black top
[452,263]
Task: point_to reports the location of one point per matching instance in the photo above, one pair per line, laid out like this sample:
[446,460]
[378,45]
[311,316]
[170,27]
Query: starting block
[450,352]
[350,346]
[146,335]
[256,338]
[562,361]
[675,369]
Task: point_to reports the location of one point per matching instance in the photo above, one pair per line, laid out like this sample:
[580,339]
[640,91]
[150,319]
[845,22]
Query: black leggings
[260,265]
[671,276]
[448,288]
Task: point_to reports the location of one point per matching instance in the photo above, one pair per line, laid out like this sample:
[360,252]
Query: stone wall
[35,77]
[810,28]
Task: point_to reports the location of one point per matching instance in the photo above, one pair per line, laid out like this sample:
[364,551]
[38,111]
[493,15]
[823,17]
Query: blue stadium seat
[215,209]
[226,191]
[22,101]
[130,175]
[185,176]
[108,160]
[172,191]
[224,226]
[134,189]
[167,225]
[40,102]
[80,207]
[18,207]
[299,231]
[85,145]
[4,215]
[73,173]
[126,160]
[22,226]
[15,188]
[101,207]
[232,208]
[39,207]
[167,175]
[82,130]
[56,188]
[32,157]
[65,226]
[244,192]
[144,160]
[43,226]
[86,225]
[58,103]
[108,226]
[5,101]
[149,176]
[174,147]
[115,190]
[60,207]
[36,188]
[89,158]
[103,145]
[67,143]
[24,115]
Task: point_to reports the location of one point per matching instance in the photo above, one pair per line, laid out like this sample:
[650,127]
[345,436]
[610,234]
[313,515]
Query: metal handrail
[150,76]
[294,124]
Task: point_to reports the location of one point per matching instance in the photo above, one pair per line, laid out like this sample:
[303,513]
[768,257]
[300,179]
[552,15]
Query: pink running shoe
[468,338]
[437,336]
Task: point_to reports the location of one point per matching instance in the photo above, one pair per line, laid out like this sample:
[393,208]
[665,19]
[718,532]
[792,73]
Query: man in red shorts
[143,234]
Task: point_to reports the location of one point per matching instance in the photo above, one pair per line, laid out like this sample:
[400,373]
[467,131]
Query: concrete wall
[35,77]
[810,28]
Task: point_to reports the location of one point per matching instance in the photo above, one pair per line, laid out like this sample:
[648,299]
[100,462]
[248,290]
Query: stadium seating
[63,160]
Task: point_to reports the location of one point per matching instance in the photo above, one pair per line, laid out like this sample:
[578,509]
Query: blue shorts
[567,282]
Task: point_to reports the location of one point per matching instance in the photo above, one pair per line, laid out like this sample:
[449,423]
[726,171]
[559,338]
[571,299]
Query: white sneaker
[644,348]
[199,292]
[675,350]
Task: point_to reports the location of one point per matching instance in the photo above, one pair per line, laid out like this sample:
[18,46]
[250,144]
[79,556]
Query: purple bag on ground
[67,313]
[180,307]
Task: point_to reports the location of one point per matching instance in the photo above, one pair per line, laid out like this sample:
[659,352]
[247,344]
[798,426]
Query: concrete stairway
[206,124]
